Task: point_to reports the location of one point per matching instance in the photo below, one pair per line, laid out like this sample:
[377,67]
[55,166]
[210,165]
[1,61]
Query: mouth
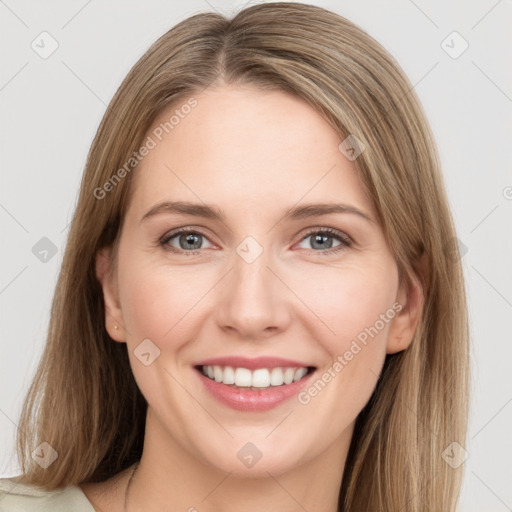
[253,390]
[255,380]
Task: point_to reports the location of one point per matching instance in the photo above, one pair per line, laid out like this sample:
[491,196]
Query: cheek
[356,305]
[349,301]
[159,303]
[156,299]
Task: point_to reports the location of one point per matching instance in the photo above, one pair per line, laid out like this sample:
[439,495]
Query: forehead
[244,148]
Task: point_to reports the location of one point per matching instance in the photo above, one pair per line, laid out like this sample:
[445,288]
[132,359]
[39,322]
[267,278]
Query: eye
[188,240]
[323,239]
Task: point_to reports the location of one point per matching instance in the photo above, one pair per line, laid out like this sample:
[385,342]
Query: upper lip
[253,363]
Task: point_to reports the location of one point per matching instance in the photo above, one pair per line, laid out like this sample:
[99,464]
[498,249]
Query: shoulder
[15,496]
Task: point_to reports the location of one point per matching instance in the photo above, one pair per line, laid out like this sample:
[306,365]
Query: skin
[252,154]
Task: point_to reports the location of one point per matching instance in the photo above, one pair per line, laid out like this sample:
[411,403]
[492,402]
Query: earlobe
[107,279]
[411,298]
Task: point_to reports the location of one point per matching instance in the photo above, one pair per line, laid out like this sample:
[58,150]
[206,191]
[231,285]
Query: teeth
[299,373]
[276,377]
[229,375]
[260,378]
[217,373]
[289,373]
[242,377]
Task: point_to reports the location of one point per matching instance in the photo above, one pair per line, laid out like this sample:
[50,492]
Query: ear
[411,298]
[108,280]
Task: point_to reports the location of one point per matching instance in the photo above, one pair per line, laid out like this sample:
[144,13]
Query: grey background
[51,109]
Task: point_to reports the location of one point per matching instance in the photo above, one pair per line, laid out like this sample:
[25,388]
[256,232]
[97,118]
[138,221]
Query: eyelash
[342,237]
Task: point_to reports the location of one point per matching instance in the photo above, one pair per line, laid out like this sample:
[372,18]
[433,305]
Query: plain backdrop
[51,108]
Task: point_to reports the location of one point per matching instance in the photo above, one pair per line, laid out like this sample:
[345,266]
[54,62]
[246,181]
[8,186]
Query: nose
[254,301]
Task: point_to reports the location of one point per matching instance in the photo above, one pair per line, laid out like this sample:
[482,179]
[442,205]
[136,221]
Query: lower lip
[249,400]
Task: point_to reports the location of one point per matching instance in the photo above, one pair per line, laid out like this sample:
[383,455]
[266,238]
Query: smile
[260,378]
[253,385]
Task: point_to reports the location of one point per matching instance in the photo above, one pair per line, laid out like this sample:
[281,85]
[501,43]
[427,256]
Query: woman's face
[263,277]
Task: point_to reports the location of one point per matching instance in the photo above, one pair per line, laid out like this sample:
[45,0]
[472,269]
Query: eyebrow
[214,213]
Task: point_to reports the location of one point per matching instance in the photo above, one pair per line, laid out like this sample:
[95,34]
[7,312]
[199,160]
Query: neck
[170,476]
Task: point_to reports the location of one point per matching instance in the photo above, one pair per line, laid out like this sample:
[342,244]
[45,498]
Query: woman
[257,305]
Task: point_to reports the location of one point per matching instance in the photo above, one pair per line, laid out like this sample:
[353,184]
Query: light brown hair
[84,400]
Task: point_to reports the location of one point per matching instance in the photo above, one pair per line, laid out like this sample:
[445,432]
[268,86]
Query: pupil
[321,239]
[190,239]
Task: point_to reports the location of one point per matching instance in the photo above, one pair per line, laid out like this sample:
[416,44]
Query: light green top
[17,497]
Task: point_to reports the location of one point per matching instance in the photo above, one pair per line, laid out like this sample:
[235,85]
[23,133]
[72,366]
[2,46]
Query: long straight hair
[84,401]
